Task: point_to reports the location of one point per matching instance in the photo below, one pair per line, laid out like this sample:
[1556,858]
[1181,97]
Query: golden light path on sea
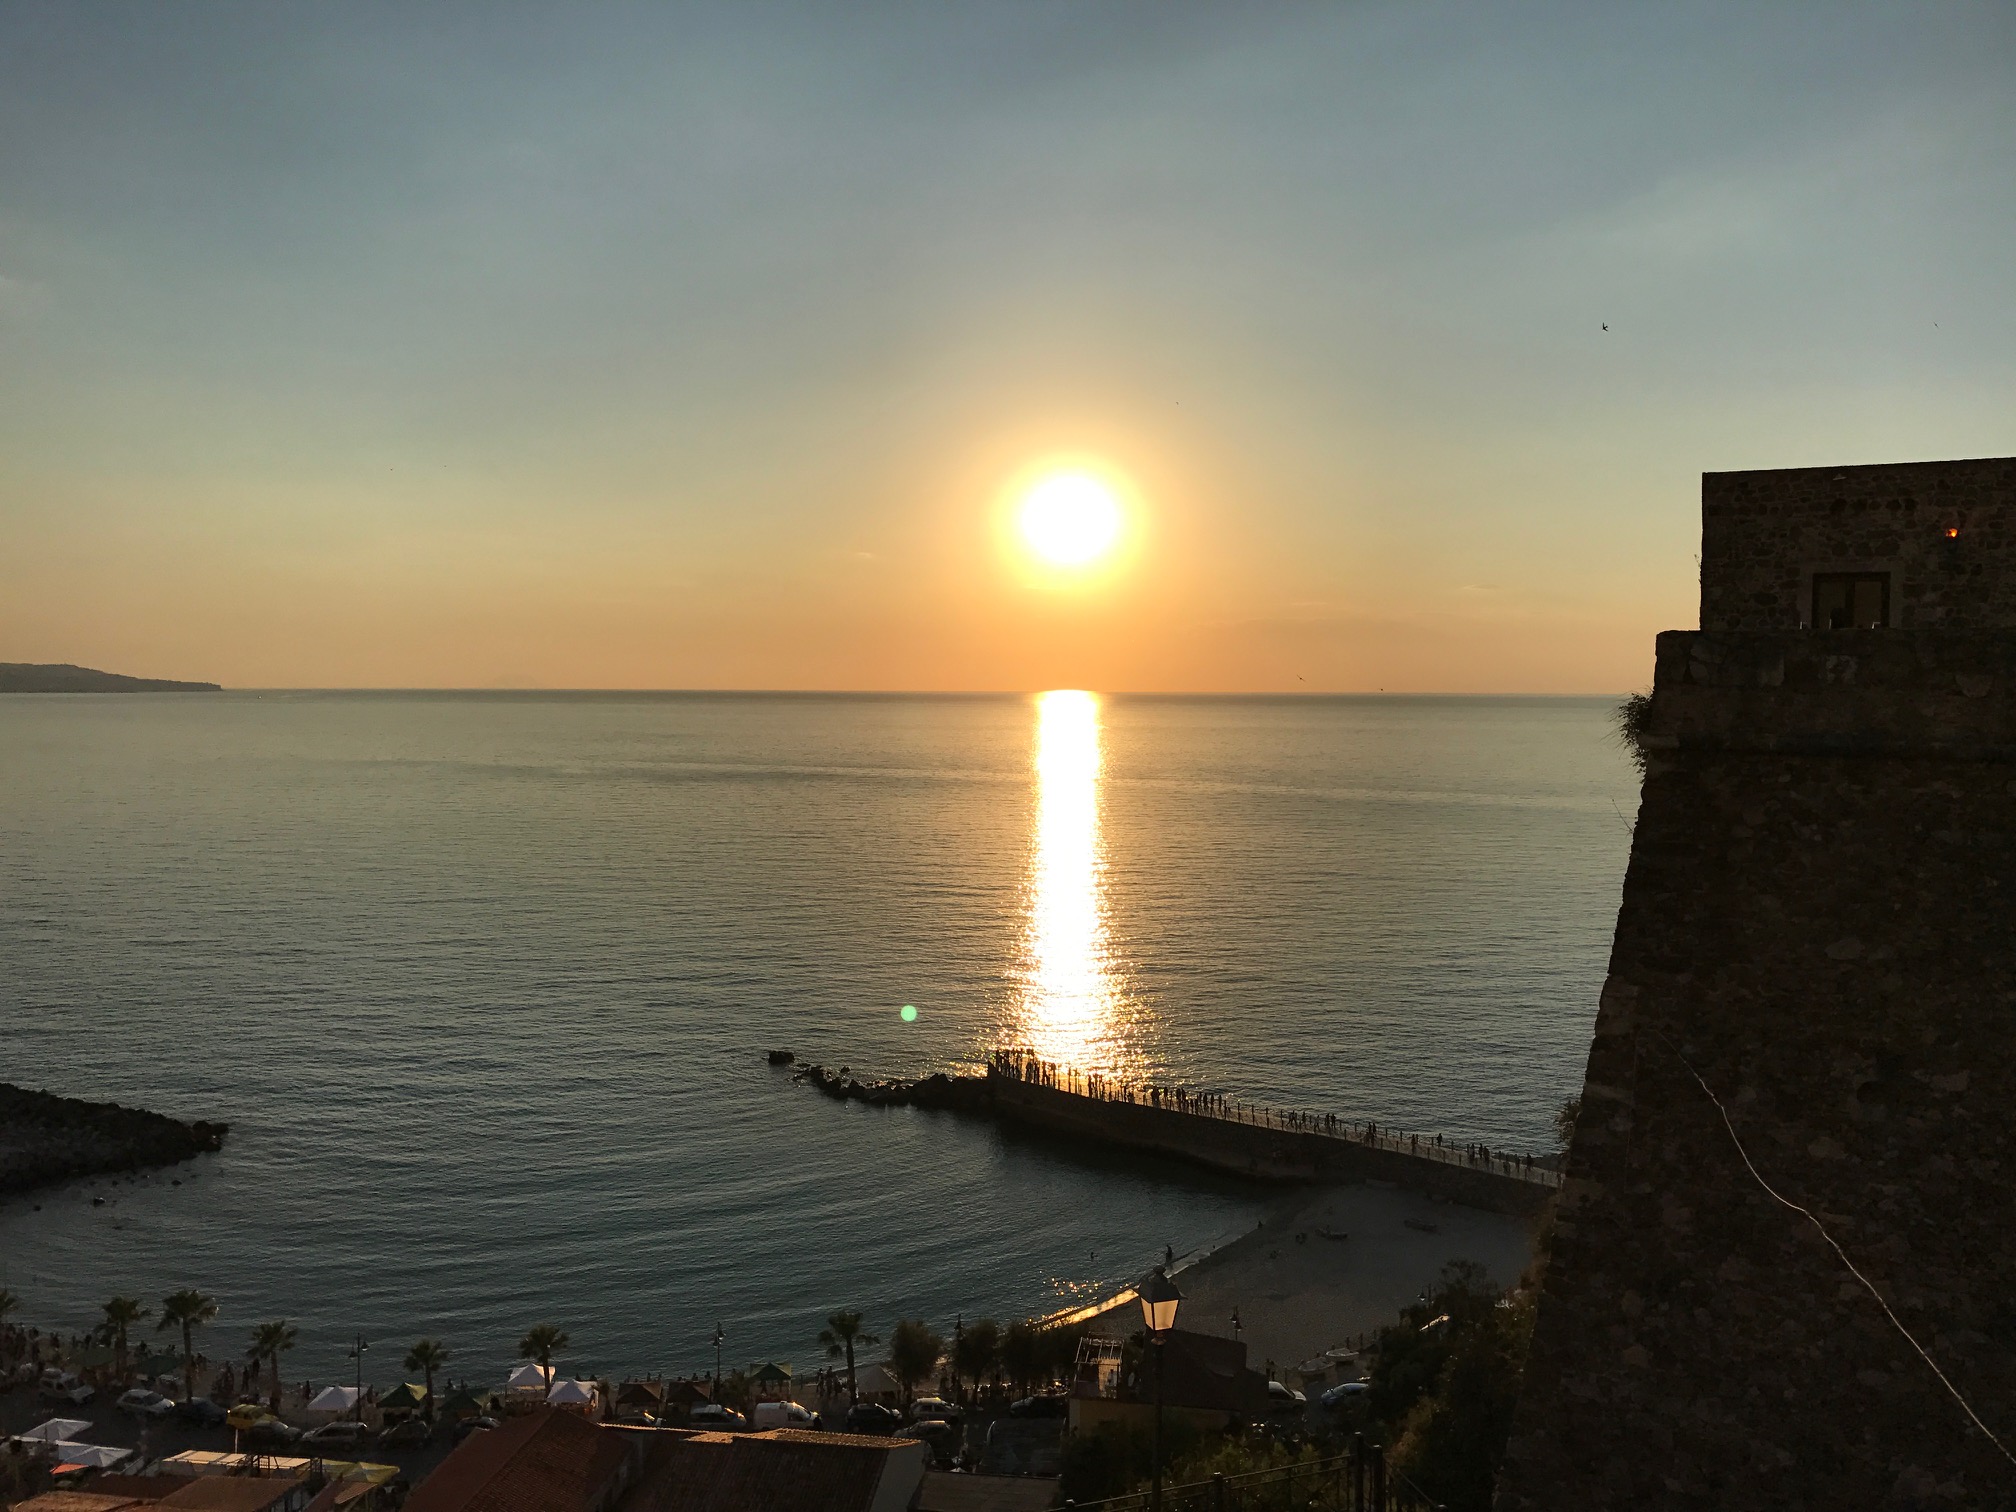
[1072,1005]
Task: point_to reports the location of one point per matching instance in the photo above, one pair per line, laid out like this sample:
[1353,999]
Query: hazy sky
[685,346]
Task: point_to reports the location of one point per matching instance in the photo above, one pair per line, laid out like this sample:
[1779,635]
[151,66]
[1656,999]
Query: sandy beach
[1298,1292]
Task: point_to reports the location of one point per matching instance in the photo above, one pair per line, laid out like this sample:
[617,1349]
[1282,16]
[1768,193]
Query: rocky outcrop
[959,1094]
[45,1138]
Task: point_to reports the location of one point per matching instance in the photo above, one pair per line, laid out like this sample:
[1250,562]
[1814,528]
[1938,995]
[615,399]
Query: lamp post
[1159,1297]
[357,1354]
[719,1336]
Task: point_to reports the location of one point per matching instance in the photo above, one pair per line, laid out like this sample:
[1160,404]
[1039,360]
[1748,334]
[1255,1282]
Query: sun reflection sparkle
[1071,1002]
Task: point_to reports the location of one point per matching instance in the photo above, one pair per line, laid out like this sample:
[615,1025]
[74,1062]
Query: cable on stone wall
[1841,1254]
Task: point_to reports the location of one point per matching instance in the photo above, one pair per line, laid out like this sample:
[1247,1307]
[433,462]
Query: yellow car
[245,1414]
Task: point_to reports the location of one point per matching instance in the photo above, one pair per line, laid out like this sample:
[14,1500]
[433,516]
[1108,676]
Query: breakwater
[1236,1138]
[45,1138]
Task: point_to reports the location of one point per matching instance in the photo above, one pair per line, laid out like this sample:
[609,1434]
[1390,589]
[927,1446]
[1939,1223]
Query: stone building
[1812,986]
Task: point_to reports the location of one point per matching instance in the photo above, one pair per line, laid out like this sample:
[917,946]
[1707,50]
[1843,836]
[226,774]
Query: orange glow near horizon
[1071,1003]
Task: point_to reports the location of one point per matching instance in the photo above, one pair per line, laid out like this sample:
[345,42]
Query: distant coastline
[62,677]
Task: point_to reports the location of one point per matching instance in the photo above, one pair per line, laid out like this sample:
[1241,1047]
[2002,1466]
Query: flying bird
[1606,325]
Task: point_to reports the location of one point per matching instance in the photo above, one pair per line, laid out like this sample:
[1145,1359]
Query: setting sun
[1070,519]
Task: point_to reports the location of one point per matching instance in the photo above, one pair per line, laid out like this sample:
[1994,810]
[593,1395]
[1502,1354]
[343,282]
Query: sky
[677,346]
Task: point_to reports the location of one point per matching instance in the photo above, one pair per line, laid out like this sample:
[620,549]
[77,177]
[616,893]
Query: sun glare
[1070,519]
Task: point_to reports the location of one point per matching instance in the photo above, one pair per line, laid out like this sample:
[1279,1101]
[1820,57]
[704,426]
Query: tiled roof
[545,1461]
[73,1501]
[233,1493]
[784,1470]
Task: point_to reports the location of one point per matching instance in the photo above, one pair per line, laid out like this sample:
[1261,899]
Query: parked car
[637,1420]
[473,1425]
[343,1435]
[247,1414]
[781,1415]
[201,1411]
[61,1386]
[713,1415]
[141,1402]
[1282,1398]
[1041,1407]
[410,1434]
[1337,1396]
[943,1439]
[935,1409]
[270,1430]
[873,1417]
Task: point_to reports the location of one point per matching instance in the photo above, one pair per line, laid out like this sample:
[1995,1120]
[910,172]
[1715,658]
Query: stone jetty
[45,1138]
[1238,1139]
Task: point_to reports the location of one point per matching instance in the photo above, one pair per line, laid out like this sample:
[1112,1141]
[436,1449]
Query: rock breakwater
[45,1138]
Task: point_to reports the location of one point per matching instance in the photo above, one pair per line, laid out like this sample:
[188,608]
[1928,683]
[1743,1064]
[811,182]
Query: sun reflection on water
[1072,1004]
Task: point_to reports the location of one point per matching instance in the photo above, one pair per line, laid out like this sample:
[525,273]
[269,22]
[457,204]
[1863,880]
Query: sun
[1070,519]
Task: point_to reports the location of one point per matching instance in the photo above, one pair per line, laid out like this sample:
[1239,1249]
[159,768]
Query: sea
[485,986]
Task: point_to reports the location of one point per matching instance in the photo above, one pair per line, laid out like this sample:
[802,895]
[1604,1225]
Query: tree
[539,1343]
[839,1338]
[1564,1119]
[121,1313]
[428,1356]
[1022,1355]
[187,1310]
[978,1350]
[914,1352]
[268,1340]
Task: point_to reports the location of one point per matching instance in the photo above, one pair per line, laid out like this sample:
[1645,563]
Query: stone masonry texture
[1819,919]
[1765,534]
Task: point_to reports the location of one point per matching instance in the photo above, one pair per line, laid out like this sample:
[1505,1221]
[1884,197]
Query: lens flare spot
[909,1014]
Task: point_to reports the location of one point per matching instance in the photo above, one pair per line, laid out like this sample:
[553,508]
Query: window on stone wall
[1851,600]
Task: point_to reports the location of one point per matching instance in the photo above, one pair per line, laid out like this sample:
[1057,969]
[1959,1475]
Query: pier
[1256,1141]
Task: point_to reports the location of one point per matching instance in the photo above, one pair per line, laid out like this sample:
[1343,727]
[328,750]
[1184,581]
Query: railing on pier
[1026,1066]
[1359,1480]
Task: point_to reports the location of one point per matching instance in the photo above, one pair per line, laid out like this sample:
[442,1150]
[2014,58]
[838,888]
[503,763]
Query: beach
[1298,1292]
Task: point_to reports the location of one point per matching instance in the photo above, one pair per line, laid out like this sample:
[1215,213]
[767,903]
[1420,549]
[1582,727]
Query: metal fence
[1026,1066]
[1358,1480]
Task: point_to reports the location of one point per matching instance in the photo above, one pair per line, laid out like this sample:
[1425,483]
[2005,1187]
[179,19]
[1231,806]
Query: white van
[780,1415]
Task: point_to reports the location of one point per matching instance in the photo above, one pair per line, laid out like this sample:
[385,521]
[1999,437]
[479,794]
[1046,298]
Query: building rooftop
[543,1462]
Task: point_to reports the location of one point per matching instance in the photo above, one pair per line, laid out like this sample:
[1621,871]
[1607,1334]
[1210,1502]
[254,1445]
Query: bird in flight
[1606,325]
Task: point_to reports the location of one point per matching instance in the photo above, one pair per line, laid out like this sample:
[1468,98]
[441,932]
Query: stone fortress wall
[1946,531]
[1818,929]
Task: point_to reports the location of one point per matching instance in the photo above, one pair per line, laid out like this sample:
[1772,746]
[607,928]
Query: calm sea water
[483,984]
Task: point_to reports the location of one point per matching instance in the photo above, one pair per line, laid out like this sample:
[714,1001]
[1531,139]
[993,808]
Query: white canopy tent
[532,1378]
[91,1456]
[572,1394]
[56,1430]
[334,1399]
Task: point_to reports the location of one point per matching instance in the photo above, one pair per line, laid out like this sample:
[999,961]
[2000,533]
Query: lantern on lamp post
[1159,1298]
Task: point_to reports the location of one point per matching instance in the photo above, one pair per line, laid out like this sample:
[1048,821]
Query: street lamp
[357,1354]
[1159,1298]
[719,1336]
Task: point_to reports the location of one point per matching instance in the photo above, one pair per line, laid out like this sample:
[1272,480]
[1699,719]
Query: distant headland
[61,677]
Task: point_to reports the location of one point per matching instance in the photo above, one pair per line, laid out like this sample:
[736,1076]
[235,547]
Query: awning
[463,1404]
[405,1397]
[572,1394]
[531,1377]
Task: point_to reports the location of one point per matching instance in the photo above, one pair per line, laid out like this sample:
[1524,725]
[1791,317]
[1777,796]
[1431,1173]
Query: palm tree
[429,1355]
[268,1339]
[187,1310]
[539,1343]
[121,1313]
[841,1333]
